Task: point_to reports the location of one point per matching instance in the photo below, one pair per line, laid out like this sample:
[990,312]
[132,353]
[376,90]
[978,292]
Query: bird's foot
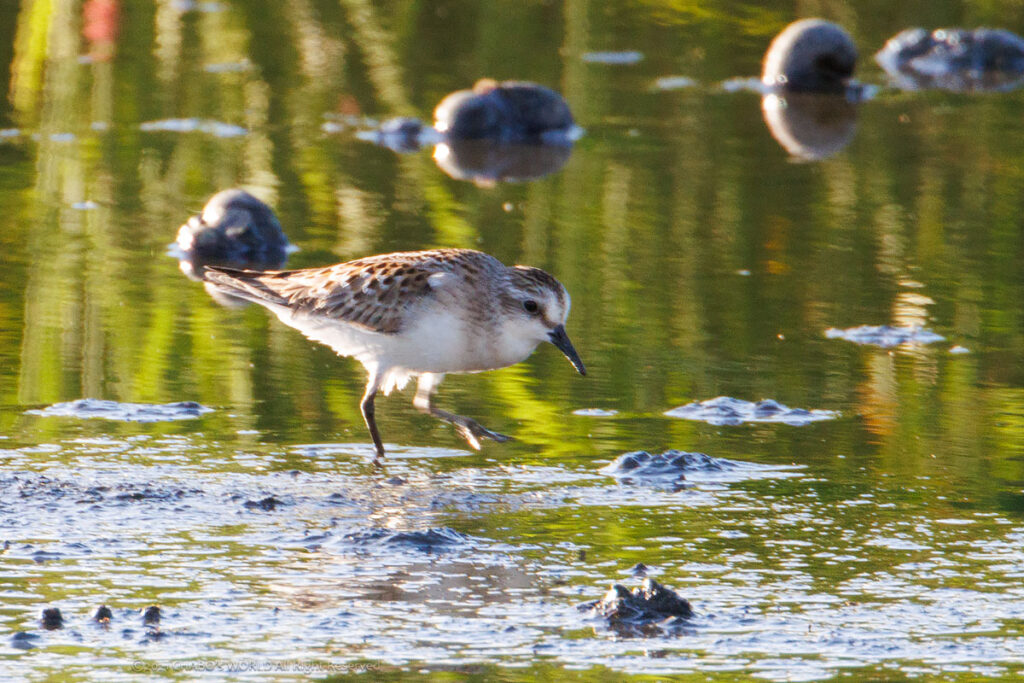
[472,431]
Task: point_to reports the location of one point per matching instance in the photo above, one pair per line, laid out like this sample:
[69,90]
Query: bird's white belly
[436,341]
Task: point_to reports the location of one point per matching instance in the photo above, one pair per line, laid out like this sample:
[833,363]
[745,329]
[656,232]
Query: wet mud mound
[428,540]
[725,410]
[89,408]
[650,609]
[954,59]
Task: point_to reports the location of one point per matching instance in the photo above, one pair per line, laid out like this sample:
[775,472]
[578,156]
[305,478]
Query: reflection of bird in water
[416,314]
[234,229]
[810,126]
[810,55]
[958,60]
[511,111]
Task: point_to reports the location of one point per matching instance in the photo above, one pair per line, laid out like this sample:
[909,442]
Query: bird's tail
[243,284]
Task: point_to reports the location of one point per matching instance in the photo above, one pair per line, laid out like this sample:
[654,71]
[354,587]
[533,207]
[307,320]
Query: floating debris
[648,610]
[595,412]
[124,412]
[214,128]
[430,540]
[674,83]
[611,57]
[884,335]
[725,410]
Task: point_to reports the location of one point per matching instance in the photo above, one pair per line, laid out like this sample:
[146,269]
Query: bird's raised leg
[366,406]
[471,430]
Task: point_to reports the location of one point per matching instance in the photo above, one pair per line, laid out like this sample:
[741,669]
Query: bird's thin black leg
[366,406]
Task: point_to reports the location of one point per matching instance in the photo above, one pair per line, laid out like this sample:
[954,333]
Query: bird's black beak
[560,339]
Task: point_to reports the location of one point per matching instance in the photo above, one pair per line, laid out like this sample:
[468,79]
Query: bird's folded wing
[372,295]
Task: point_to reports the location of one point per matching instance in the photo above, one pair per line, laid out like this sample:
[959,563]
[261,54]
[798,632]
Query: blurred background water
[703,259]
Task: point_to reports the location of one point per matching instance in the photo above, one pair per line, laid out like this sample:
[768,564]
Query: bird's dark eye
[531,307]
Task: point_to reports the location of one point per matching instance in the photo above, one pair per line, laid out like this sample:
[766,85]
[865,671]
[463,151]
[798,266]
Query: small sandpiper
[416,314]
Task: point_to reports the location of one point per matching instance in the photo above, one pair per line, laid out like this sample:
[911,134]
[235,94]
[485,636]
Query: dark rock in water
[103,614]
[426,541]
[884,335]
[725,410]
[267,504]
[810,126]
[52,619]
[24,641]
[235,230]
[124,412]
[638,569]
[958,60]
[151,615]
[810,55]
[488,161]
[649,608]
[512,111]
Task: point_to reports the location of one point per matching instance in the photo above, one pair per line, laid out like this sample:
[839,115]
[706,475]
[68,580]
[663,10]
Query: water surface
[703,260]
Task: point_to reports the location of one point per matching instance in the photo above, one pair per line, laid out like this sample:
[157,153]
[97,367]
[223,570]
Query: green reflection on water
[701,260]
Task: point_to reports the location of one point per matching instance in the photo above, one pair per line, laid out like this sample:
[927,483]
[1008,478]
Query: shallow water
[704,259]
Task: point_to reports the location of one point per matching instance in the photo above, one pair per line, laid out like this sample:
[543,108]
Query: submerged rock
[236,230]
[884,335]
[511,111]
[430,540]
[954,59]
[810,55]
[87,408]
[648,609]
[725,410]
